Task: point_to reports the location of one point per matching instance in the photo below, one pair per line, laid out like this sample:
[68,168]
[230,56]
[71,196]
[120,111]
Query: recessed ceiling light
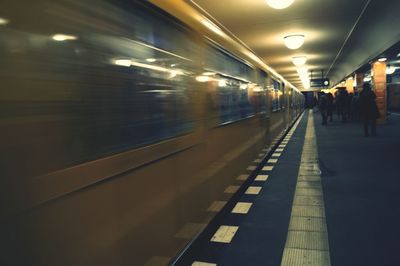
[3,21]
[382,59]
[151,60]
[299,60]
[294,41]
[279,4]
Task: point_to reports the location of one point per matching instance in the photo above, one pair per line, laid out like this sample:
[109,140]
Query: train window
[122,82]
[277,96]
[232,94]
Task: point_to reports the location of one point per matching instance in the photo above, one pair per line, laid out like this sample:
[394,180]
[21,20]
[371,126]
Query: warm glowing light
[302,71]
[390,70]
[212,26]
[222,83]
[243,86]
[3,21]
[152,67]
[128,62]
[151,60]
[294,41]
[299,60]
[123,62]
[304,76]
[382,59]
[367,79]
[202,78]
[279,4]
[208,73]
[64,37]
[174,73]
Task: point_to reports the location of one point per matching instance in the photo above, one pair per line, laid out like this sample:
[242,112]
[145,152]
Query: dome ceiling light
[294,42]
[3,21]
[299,60]
[390,70]
[279,4]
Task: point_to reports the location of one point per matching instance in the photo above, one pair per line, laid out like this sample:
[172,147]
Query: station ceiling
[340,35]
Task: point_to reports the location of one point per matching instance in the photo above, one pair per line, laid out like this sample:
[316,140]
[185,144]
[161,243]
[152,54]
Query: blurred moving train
[121,123]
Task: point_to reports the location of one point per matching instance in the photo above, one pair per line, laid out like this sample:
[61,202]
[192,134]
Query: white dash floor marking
[224,234]
[242,207]
[268,168]
[253,190]
[200,263]
[261,178]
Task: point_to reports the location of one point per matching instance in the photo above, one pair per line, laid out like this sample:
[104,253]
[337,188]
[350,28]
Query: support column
[360,82]
[349,85]
[379,86]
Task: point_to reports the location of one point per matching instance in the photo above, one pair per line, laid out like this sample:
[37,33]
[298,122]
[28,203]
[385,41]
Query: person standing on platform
[330,106]
[368,109]
[323,107]
[342,100]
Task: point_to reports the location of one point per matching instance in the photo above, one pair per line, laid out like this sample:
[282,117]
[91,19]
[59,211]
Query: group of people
[349,106]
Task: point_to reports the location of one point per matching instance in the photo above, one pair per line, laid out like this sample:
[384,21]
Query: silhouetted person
[342,104]
[330,106]
[368,109]
[349,112]
[323,107]
[355,109]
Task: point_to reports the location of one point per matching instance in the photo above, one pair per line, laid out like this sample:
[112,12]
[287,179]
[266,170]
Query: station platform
[326,195]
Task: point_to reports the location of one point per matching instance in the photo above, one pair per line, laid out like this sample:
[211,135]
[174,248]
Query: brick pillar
[349,85]
[379,86]
[360,82]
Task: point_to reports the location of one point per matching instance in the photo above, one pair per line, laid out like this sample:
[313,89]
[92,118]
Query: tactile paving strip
[307,239]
